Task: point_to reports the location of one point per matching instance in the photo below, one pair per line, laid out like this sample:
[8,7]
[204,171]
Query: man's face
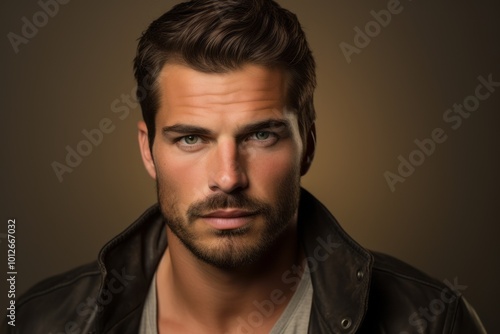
[226,158]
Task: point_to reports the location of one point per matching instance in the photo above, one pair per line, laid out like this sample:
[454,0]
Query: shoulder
[406,297]
[386,267]
[70,279]
[62,302]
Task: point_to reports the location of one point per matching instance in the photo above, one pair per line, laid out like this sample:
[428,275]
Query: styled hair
[216,36]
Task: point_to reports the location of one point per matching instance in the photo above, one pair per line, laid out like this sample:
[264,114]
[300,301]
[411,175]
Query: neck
[204,298]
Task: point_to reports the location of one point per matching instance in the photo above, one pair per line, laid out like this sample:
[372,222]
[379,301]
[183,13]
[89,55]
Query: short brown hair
[219,36]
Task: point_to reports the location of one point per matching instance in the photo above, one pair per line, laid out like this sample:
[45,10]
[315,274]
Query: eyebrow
[186,129]
[249,128]
[266,124]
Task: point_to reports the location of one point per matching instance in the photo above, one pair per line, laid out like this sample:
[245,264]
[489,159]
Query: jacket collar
[340,271]
[129,261]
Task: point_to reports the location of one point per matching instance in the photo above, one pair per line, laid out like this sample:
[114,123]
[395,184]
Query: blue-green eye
[262,135]
[191,139]
[263,138]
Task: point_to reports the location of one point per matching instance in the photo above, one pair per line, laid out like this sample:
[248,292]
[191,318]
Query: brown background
[442,219]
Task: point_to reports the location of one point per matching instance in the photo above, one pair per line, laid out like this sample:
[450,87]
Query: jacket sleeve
[466,320]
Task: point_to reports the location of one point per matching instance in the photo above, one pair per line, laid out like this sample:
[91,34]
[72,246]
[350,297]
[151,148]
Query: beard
[239,247]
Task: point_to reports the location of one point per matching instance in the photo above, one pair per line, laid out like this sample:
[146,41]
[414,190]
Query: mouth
[228,219]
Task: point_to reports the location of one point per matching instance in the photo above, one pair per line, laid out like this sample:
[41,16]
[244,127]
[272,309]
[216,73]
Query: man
[234,244]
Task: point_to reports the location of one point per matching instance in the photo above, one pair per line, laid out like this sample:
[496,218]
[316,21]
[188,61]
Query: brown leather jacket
[355,291]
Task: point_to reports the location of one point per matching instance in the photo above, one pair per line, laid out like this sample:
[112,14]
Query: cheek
[271,172]
[179,180]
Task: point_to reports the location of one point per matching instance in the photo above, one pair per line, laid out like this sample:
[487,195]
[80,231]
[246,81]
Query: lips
[228,219]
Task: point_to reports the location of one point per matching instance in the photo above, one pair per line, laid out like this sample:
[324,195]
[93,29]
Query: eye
[190,143]
[190,140]
[262,135]
[263,138]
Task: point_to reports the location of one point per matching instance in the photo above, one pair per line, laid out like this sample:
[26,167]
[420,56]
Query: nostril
[229,184]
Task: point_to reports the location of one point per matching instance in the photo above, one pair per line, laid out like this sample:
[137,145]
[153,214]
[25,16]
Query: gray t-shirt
[294,320]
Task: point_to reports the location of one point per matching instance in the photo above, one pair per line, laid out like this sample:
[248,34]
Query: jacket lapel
[129,262]
[340,270]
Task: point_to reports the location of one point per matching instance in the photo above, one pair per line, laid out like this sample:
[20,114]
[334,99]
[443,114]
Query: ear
[147,157]
[309,150]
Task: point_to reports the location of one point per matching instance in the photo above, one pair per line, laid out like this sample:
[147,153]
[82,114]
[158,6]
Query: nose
[227,168]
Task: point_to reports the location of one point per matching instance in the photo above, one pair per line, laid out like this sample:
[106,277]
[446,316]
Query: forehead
[251,87]
[250,72]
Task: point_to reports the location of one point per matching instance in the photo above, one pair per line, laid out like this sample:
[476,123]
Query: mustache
[224,201]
